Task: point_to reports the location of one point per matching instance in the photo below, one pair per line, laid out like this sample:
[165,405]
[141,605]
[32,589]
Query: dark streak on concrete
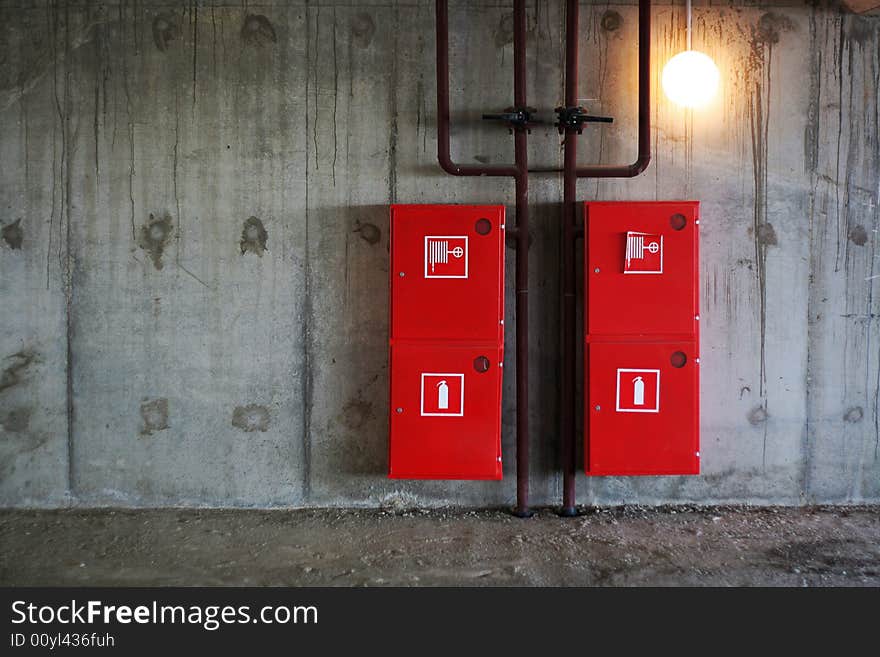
[306,379]
[253,237]
[165,30]
[13,235]
[194,20]
[504,31]
[811,130]
[393,133]
[16,420]
[250,418]
[155,235]
[155,416]
[13,374]
[335,102]
[363,27]
[257,31]
[858,235]
[368,232]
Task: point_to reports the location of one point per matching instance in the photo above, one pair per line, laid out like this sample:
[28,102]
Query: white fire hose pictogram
[439,252]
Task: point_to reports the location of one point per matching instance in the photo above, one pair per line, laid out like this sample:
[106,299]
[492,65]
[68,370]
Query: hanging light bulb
[690,78]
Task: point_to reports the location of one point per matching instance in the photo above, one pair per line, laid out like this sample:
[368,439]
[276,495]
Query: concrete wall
[160,347]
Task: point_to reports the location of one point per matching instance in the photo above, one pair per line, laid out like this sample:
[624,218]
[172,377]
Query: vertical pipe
[520,173]
[688,24]
[522,265]
[569,209]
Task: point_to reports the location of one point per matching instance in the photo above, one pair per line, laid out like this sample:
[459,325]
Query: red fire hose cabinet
[642,348]
[446,341]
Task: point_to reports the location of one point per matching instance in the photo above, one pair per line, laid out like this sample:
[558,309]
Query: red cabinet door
[641,269]
[641,352]
[642,408]
[447,341]
[445,411]
[447,272]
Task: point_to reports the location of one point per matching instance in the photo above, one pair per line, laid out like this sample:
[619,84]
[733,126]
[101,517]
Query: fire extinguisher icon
[638,391]
[442,396]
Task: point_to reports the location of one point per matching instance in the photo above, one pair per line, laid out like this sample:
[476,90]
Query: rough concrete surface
[194,242]
[623,546]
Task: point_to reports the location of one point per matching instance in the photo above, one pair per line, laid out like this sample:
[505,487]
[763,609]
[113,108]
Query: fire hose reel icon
[446,256]
[644,253]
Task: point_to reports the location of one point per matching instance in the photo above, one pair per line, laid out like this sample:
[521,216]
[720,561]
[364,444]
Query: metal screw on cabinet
[596,270]
[598,408]
[399,410]
[402,274]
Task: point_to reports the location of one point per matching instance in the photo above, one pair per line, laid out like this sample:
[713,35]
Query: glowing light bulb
[690,79]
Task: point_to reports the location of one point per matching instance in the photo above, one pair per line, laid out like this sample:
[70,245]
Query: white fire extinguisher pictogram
[638,391]
[442,395]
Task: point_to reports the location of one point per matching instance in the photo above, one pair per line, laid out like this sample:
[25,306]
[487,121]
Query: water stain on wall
[854,414]
[250,418]
[155,235]
[165,30]
[767,234]
[253,237]
[758,415]
[758,76]
[13,235]
[257,31]
[14,373]
[858,235]
[504,31]
[154,413]
[368,232]
[611,21]
[770,28]
[363,27]
[356,413]
[17,420]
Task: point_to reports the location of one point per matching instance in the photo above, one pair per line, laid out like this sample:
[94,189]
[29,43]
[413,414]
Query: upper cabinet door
[447,272]
[641,268]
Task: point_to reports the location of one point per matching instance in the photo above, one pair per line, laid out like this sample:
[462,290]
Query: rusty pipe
[522,265]
[644,155]
[571,231]
[441,8]
[519,172]
[569,192]
[644,145]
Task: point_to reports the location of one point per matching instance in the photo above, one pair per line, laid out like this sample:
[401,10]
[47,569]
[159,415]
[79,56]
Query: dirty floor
[628,546]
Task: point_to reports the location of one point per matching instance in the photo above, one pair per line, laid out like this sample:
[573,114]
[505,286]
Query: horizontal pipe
[644,155]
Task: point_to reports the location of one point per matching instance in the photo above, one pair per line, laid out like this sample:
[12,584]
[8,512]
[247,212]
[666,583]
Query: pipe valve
[516,118]
[573,118]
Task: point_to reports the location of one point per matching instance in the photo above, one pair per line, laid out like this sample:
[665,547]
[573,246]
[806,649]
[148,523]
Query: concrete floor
[830,546]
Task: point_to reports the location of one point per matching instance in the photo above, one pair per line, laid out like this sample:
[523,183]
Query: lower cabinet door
[445,413]
[642,408]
